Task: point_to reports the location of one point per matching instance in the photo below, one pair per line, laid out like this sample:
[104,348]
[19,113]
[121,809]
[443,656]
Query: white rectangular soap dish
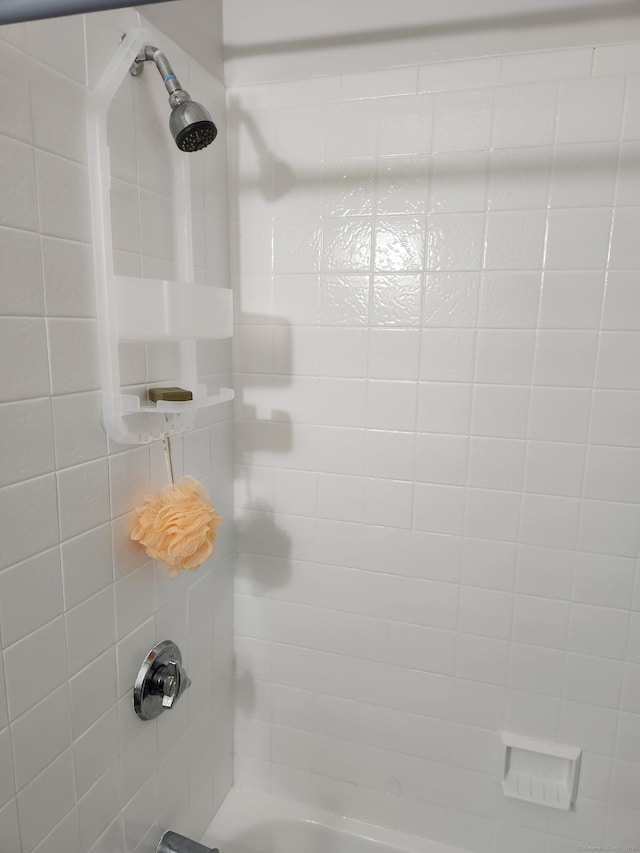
[540,772]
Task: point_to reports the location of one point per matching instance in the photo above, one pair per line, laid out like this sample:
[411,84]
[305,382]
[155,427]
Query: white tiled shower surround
[437,444]
[80,605]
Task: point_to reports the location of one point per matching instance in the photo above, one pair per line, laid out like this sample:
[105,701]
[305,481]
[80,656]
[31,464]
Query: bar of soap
[171,395]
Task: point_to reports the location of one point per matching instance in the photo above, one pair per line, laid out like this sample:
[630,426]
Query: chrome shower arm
[153,54]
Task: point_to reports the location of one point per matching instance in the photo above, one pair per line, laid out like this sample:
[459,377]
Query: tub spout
[171,842]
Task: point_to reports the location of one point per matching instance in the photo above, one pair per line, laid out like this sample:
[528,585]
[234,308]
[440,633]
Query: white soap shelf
[131,309]
[133,405]
[540,772]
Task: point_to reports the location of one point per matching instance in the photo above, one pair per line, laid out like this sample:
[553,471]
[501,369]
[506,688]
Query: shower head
[190,123]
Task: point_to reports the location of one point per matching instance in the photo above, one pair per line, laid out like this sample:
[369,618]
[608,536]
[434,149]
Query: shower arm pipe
[16,11]
[153,54]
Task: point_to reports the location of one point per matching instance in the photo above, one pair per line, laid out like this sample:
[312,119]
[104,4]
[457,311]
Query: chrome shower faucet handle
[161,681]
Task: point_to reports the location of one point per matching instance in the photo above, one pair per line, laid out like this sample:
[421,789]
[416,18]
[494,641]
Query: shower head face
[191,126]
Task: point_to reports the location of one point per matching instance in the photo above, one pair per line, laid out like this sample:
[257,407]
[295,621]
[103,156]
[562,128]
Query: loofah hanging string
[178,526]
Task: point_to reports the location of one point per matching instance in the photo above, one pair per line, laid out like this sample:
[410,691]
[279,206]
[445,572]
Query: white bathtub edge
[244,809]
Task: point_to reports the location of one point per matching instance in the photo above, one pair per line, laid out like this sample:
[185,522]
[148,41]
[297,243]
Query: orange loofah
[179,526]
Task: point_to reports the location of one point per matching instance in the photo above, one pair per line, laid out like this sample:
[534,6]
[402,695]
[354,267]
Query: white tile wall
[437,418]
[80,605]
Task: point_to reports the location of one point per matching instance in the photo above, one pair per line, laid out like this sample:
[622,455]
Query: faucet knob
[169,683]
[160,682]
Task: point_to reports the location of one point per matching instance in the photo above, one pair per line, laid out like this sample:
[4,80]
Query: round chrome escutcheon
[161,681]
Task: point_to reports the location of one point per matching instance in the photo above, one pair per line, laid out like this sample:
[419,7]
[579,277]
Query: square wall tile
[604,580]
[485,612]
[599,631]
[451,299]
[17,185]
[438,508]
[593,680]
[565,358]
[620,301]
[91,549]
[391,405]
[447,355]
[344,300]
[444,407]
[611,474]
[440,459]
[550,521]
[572,300]
[46,800]
[21,251]
[73,354]
[458,181]
[396,300]
[578,239]
[489,564]
[15,122]
[401,184]
[84,497]
[540,621]
[24,372]
[30,510]
[578,121]
[455,241]
[462,120]
[584,175]
[26,427]
[624,251]
[554,468]
[399,245]
[79,434]
[68,36]
[524,115]
[63,197]
[30,595]
[492,514]
[616,366]
[500,410]
[559,414]
[393,353]
[509,300]
[346,246]
[504,357]
[628,189]
[496,463]
[545,571]
[609,528]
[515,240]
[41,735]
[519,178]
[404,124]
[58,107]
[42,653]
[357,139]
[90,629]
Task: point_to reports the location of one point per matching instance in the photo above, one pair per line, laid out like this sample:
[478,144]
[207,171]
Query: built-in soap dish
[540,772]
